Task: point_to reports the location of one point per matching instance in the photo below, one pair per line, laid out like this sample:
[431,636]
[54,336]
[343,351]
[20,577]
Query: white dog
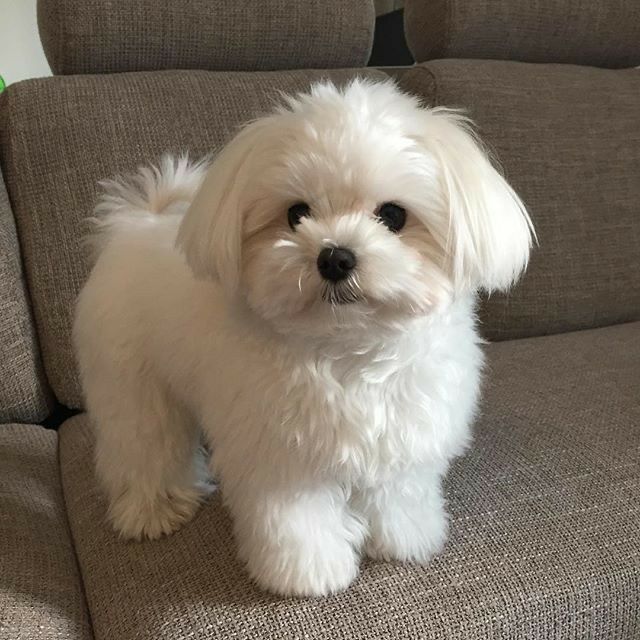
[307,303]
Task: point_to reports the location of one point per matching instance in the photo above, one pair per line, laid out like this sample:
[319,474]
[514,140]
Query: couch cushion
[545,520]
[601,34]
[569,141]
[41,595]
[23,390]
[81,36]
[62,135]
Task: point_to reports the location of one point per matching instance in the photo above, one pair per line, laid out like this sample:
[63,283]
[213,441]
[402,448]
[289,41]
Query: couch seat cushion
[545,519]
[41,595]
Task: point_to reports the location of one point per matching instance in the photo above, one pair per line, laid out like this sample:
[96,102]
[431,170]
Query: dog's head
[352,206]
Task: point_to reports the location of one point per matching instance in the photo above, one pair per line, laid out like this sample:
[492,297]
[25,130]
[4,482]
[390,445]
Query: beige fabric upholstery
[569,142]
[587,32]
[41,595]
[545,520]
[93,36]
[23,389]
[62,135]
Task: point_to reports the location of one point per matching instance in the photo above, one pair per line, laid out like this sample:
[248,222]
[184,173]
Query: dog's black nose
[335,263]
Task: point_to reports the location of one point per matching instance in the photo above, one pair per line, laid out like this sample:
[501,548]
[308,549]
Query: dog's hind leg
[148,457]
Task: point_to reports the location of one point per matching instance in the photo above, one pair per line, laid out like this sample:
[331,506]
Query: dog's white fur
[331,425]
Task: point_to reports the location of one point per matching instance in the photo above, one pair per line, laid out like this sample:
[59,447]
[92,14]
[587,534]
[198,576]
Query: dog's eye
[296,213]
[392,215]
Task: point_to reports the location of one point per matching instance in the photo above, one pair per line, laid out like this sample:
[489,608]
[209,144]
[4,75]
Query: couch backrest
[24,395]
[599,33]
[568,139]
[94,36]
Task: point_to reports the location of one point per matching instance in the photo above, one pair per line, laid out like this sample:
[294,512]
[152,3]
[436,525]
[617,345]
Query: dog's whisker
[355,283]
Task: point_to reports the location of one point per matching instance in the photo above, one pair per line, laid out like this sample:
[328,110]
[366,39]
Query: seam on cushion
[4,133]
[372,31]
[72,536]
[448,30]
[62,50]
[433,78]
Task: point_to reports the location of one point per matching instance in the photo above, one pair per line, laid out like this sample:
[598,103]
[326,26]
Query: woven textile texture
[599,34]
[41,594]
[23,390]
[545,526]
[62,135]
[568,140]
[92,36]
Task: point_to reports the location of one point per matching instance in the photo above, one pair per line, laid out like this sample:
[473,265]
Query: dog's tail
[143,199]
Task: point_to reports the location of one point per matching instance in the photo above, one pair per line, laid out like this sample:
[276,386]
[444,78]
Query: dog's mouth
[339,294]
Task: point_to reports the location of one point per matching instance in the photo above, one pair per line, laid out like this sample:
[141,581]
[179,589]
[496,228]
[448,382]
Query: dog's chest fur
[364,415]
[350,412]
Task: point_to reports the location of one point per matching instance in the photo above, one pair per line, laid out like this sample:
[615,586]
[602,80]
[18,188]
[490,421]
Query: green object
[2,84]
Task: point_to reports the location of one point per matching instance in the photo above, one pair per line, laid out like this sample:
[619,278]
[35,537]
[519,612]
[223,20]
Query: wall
[21,54]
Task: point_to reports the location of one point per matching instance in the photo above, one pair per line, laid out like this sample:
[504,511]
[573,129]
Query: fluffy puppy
[307,303]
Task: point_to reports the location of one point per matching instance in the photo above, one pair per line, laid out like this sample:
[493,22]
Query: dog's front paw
[317,568]
[137,516]
[407,536]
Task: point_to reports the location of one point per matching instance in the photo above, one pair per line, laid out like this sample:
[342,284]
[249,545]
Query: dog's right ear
[210,235]
[490,233]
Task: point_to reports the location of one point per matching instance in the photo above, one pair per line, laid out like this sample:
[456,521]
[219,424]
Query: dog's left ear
[210,235]
[490,233]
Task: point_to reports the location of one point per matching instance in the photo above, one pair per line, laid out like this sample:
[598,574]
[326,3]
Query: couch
[545,507]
